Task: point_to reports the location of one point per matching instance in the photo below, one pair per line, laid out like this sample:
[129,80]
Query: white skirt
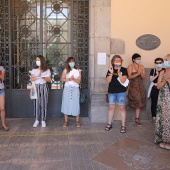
[70,101]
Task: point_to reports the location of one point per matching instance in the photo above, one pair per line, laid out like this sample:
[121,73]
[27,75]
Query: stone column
[99,41]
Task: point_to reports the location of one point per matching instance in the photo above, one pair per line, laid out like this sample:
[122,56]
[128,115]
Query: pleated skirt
[70,101]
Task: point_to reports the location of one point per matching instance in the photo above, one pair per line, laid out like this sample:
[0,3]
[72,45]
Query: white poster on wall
[101,59]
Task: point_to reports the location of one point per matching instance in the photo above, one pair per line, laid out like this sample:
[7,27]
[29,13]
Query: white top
[1,81]
[39,80]
[76,74]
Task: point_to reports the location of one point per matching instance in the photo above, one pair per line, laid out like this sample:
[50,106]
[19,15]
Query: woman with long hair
[71,77]
[41,75]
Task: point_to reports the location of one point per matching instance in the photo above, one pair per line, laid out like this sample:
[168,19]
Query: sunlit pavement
[72,148]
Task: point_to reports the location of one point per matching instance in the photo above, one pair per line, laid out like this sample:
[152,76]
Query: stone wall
[100,41]
[99,108]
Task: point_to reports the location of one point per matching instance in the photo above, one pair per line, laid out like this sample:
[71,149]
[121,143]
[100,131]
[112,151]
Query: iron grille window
[56,29]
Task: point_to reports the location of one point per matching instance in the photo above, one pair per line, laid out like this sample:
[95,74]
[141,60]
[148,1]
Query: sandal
[77,124]
[167,146]
[138,122]
[65,124]
[123,129]
[108,127]
[162,145]
[6,128]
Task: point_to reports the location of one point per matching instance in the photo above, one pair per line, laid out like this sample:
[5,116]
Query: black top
[153,73]
[114,85]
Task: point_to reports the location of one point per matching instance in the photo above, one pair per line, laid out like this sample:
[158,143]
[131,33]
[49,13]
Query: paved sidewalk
[71,148]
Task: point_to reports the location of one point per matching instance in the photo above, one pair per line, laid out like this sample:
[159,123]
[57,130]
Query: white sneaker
[43,124]
[36,123]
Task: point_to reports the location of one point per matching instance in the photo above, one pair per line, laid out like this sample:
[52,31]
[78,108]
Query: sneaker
[36,123]
[43,124]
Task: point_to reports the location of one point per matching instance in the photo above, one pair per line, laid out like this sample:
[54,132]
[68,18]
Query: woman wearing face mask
[162,131]
[41,75]
[116,75]
[136,93]
[154,74]
[70,99]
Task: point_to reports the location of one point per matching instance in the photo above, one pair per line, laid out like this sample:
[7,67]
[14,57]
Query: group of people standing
[160,94]
[117,77]
[41,75]
[71,77]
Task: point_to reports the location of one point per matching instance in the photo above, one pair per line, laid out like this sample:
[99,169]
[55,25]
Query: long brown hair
[67,67]
[43,65]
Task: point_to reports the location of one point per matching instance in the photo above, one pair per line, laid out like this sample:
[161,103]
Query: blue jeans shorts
[2,92]
[120,98]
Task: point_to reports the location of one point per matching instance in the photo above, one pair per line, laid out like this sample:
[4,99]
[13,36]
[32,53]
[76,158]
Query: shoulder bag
[150,86]
[33,91]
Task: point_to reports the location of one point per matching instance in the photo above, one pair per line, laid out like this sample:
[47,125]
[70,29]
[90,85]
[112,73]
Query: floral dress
[162,128]
[136,92]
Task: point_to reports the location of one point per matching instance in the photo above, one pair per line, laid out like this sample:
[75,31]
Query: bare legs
[77,118]
[65,118]
[138,110]
[111,114]
[66,121]
[2,109]
[123,114]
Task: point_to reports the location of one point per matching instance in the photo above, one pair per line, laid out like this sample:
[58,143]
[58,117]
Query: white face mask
[159,65]
[137,61]
[38,63]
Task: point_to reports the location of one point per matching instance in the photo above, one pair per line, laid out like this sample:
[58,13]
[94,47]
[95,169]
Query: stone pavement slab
[71,148]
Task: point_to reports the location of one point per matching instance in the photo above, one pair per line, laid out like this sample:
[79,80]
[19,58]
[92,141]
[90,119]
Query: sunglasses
[159,63]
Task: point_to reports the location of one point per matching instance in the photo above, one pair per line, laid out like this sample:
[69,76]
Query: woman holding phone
[2,98]
[115,77]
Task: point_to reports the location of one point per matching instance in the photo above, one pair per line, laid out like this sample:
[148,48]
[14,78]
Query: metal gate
[56,29]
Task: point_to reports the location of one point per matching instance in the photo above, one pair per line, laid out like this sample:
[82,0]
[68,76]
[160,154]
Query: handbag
[33,91]
[107,99]
[83,98]
[150,86]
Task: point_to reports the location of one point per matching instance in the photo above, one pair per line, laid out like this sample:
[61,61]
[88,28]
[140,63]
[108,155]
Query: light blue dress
[71,94]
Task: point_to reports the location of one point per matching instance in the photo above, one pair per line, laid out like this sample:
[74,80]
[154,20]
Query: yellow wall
[133,18]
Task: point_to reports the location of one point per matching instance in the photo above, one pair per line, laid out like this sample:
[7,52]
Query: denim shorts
[120,98]
[2,92]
